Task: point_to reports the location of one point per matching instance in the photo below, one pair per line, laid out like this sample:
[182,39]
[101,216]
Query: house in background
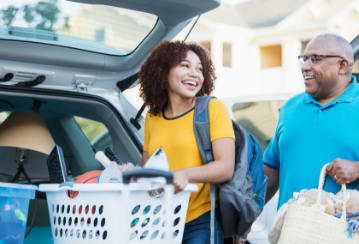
[255,44]
[121,29]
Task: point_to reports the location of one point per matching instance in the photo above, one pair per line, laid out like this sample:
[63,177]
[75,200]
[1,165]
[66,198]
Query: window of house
[100,35]
[227,54]
[96,133]
[271,56]
[304,46]
[206,45]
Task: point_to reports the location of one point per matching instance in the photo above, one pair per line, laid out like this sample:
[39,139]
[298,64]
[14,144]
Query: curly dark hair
[154,72]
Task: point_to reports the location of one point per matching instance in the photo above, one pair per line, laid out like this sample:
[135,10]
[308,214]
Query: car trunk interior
[66,68]
[58,110]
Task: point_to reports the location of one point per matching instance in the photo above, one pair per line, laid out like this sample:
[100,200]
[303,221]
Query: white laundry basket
[117,213]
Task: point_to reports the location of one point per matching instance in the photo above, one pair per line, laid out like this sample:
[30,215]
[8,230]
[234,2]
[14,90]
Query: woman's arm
[218,171]
[145,157]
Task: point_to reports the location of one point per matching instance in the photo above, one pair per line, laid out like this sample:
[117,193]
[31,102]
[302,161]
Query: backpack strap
[203,138]
[201,128]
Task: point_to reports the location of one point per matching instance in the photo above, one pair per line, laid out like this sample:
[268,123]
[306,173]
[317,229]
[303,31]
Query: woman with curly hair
[171,78]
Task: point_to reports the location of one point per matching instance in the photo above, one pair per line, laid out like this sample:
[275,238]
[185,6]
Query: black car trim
[42,91]
[126,83]
[7,77]
[355,45]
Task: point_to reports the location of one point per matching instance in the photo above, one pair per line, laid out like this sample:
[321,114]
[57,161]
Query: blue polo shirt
[308,136]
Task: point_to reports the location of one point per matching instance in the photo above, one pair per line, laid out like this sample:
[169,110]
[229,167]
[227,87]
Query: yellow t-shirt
[176,137]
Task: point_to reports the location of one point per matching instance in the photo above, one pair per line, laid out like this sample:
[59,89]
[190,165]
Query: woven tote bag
[304,225]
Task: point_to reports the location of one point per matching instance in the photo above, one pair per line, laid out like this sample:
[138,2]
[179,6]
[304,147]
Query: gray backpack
[241,200]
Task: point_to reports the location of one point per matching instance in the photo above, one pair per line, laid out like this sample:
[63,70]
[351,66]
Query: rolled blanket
[352,226]
[349,215]
[126,167]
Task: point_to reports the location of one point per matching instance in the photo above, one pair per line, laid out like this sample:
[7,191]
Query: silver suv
[72,60]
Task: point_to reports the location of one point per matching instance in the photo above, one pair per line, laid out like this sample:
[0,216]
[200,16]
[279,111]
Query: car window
[96,133]
[92,27]
[259,119]
[3,116]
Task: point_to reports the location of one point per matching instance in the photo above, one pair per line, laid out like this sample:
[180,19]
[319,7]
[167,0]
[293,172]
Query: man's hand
[180,180]
[343,171]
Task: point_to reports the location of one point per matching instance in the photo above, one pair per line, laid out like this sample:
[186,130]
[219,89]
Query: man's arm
[273,181]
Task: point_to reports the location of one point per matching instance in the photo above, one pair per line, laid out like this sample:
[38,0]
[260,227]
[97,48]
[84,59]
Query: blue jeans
[198,231]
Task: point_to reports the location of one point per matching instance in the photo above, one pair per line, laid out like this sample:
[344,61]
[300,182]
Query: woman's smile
[190,84]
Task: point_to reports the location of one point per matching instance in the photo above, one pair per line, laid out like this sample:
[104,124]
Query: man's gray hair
[344,45]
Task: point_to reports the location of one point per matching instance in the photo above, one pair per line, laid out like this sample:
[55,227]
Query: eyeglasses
[313,58]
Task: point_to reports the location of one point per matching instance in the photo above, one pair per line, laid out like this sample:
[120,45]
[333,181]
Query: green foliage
[43,15]
[90,128]
[8,14]
[46,11]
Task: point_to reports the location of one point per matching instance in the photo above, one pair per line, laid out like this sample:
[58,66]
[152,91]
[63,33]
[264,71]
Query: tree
[8,14]
[46,12]
[42,15]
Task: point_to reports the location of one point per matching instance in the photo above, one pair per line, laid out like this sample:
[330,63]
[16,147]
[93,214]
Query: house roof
[254,13]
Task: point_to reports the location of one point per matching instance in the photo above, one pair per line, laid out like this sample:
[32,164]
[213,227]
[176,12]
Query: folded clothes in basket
[352,209]
[352,226]
[349,215]
[113,170]
[353,223]
[111,174]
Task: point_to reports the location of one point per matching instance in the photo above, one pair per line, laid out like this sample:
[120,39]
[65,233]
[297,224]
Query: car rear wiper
[7,77]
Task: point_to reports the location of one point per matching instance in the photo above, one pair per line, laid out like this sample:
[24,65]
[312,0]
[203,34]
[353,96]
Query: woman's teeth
[190,83]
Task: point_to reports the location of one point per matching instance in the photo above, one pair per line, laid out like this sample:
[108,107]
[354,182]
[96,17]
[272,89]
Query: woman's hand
[241,240]
[180,180]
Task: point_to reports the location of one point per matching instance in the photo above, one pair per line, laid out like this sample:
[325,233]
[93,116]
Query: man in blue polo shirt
[319,126]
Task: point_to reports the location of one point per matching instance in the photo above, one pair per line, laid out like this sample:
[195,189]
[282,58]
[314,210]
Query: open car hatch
[86,45]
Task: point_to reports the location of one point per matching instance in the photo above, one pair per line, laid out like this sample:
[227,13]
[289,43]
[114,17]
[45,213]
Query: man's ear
[344,66]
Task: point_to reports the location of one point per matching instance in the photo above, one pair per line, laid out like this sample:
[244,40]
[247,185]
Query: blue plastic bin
[14,205]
